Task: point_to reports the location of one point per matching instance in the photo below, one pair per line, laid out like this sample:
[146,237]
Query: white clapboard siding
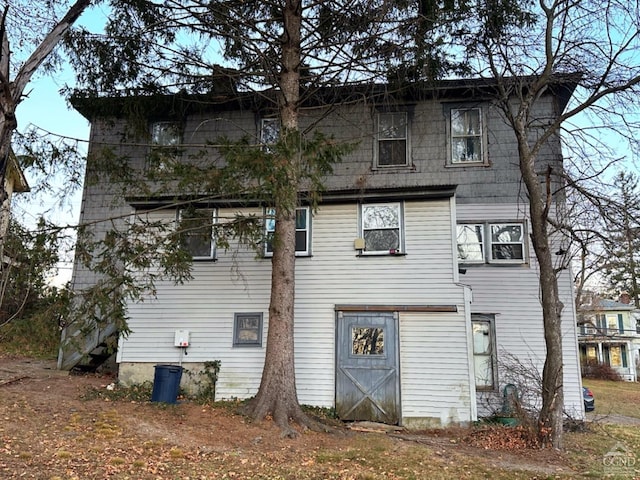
[333,275]
[434,365]
[512,293]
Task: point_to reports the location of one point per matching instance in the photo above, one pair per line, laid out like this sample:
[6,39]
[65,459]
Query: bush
[599,371]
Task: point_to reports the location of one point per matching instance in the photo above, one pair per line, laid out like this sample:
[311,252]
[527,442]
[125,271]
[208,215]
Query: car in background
[589,401]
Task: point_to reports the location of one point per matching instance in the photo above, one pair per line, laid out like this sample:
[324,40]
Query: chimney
[625,298]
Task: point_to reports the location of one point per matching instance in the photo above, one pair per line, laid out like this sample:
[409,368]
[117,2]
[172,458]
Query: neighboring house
[609,333]
[414,275]
[14,182]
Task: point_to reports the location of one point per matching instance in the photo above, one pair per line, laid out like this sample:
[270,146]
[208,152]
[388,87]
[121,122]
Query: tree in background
[593,44]
[285,53]
[31,310]
[622,268]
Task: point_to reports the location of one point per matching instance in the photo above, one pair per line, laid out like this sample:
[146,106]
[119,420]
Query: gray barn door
[367,380]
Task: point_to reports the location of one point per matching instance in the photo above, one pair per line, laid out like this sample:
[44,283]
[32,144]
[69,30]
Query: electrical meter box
[181,338]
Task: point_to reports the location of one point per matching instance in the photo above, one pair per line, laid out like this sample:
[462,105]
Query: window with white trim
[195,228]
[165,140]
[491,243]
[484,351]
[467,136]
[507,242]
[392,140]
[382,228]
[247,330]
[303,231]
[471,243]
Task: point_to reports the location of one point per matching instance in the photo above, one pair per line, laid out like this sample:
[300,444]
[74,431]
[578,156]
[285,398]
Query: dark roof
[179,104]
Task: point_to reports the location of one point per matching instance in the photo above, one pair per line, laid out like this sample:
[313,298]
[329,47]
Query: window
[247,330]
[507,242]
[303,231]
[612,323]
[467,137]
[165,134]
[491,242]
[484,358]
[165,139]
[382,228]
[195,228]
[616,355]
[471,243]
[367,341]
[269,132]
[392,140]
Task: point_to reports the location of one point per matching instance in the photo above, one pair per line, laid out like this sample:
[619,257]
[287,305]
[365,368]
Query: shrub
[599,371]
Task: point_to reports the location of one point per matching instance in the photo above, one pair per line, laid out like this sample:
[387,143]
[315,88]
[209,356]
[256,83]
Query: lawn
[61,427]
[609,432]
[620,398]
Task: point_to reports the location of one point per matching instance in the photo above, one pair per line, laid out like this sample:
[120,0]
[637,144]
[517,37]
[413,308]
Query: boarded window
[247,330]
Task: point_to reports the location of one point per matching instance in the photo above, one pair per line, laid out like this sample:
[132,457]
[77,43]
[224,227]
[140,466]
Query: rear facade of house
[416,283]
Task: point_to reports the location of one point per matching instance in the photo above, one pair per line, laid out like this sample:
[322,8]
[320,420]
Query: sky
[45,107]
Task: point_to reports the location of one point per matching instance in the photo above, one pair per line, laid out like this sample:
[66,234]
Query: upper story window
[491,242]
[195,227]
[165,139]
[269,131]
[382,228]
[467,136]
[392,140]
[507,242]
[165,134]
[303,231]
[471,243]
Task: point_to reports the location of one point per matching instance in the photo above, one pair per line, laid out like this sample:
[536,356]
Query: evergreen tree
[286,52]
[36,31]
[622,270]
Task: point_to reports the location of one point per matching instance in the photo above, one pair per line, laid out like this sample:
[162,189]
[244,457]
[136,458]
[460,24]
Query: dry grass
[620,398]
[51,431]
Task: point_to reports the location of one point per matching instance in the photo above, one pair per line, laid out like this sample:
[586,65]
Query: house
[14,181]
[414,275]
[609,333]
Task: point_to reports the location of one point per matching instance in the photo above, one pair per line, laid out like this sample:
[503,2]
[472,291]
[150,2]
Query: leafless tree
[594,45]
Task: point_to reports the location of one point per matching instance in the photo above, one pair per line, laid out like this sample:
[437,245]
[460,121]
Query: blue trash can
[166,383]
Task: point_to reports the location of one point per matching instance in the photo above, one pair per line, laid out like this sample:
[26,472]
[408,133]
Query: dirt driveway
[48,431]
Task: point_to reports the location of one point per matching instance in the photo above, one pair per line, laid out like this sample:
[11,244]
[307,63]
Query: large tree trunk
[550,419]
[277,394]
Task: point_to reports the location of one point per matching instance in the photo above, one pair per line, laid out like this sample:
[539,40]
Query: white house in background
[413,276]
[609,333]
